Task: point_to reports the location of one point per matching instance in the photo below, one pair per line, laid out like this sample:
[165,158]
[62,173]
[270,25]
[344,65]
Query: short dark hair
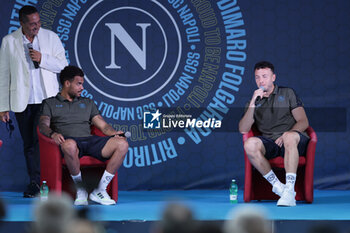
[264,64]
[26,10]
[69,72]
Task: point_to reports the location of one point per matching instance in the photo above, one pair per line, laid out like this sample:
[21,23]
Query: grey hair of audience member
[84,226]
[53,215]
[176,218]
[248,219]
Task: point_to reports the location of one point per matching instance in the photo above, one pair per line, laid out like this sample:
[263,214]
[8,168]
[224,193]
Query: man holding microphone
[30,58]
[279,115]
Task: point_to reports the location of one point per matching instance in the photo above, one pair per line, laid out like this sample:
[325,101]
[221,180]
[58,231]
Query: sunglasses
[10,127]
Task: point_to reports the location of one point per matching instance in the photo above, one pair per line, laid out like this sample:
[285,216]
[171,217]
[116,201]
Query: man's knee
[290,139]
[120,145]
[69,147]
[123,146]
[253,146]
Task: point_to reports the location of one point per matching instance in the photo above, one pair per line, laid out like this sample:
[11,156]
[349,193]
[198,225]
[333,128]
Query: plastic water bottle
[44,191]
[233,192]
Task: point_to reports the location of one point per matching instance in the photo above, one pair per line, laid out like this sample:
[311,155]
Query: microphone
[30,47]
[257,100]
[126,134]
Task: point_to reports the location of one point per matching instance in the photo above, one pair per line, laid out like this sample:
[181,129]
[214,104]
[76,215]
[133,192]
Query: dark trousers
[27,123]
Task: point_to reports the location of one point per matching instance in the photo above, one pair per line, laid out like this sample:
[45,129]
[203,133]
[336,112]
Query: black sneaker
[32,190]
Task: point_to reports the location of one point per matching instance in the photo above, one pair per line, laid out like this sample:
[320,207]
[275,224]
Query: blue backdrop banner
[166,69]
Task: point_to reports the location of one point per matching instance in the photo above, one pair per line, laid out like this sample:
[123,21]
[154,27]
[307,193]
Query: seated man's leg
[291,158]
[291,154]
[256,148]
[71,156]
[114,150]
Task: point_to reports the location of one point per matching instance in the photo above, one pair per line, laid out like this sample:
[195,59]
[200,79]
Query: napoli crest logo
[129,53]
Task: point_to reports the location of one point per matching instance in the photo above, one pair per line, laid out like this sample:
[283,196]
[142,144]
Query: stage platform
[138,211]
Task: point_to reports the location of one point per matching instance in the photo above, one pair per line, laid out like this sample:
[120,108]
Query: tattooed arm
[102,125]
[44,128]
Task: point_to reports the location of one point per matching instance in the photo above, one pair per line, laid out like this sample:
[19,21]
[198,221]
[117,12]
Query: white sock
[81,193]
[290,180]
[77,178]
[105,180]
[272,178]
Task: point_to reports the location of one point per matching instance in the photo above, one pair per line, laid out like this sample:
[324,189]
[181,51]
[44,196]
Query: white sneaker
[278,189]
[287,198]
[82,197]
[102,197]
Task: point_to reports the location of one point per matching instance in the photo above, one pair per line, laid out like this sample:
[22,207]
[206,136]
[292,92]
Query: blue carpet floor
[206,205]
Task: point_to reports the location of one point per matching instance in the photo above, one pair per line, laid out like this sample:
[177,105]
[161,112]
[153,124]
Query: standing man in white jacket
[30,58]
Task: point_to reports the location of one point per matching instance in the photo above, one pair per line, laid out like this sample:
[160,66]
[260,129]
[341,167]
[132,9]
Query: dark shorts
[273,150]
[91,146]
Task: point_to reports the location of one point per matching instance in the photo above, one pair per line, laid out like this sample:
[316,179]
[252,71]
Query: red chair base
[265,188]
[91,177]
[256,187]
[54,171]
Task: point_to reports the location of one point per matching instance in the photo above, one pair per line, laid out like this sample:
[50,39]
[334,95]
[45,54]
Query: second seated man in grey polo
[279,115]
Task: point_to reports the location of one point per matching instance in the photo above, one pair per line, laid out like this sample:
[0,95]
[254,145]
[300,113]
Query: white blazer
[14,68]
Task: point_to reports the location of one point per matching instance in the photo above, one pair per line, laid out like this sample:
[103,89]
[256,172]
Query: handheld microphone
[30,47]
[257,100]
[126,134]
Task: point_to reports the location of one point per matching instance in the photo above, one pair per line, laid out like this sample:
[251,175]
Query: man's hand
[258,92]
[279,141]
[119,133]
[4,116]
[35,55]
[58,138]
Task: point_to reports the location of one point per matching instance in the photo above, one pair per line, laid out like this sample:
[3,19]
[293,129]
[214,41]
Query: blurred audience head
[54,215]
[208,227]
[176,218]
[248,219]
[81,225]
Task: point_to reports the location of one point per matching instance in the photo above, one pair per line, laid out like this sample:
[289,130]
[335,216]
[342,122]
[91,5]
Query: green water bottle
[233,192]
[44,191]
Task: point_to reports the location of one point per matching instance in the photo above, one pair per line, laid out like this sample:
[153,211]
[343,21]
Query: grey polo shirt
[71,119]
[273,115]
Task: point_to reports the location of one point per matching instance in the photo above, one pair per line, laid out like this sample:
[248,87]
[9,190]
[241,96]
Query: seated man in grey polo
[66,118]
[279,115]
